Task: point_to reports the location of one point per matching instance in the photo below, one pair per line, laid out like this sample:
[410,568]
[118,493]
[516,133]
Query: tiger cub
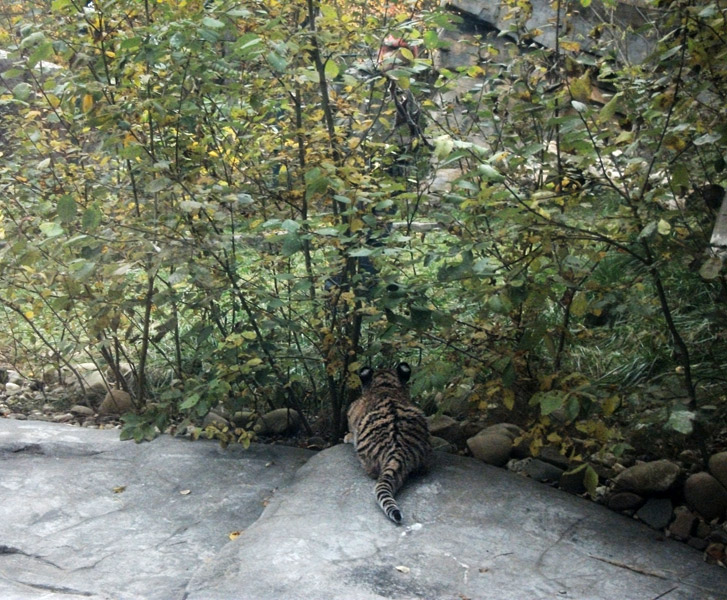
[389,433]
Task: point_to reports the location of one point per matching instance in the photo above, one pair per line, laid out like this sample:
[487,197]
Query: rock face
[648,478]
[458,519]
[629,17]
[83,515]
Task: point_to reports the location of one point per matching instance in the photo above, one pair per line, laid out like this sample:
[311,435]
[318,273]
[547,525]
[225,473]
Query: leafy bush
[239,201]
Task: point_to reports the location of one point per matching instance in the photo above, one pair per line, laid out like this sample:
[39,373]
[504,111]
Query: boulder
[648,478]
[706,495]
[491,447]
[280,421]
[116,402]
[718,467]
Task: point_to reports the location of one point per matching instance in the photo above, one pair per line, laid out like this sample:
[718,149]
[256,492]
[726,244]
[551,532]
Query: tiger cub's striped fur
[390,434]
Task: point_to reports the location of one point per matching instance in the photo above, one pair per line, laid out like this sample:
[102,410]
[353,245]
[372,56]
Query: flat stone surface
[470,530]
[65,533]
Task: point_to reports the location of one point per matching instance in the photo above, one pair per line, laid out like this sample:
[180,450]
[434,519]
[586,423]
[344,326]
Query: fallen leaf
[185,492]
[234,535]
[403,569]
[119,489]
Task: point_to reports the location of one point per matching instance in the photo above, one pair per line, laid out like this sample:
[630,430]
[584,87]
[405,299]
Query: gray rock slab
[471,531]
[65,533]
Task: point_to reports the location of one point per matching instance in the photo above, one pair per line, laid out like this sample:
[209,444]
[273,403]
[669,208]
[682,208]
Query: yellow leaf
[508,399]
[29,314]
[570,46]
[234,535]
[356,225]
[87,103]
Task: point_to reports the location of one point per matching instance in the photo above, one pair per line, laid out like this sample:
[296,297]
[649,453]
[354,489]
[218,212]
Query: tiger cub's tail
[388,483]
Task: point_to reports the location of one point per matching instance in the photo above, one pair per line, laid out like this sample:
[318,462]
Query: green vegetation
[237,200]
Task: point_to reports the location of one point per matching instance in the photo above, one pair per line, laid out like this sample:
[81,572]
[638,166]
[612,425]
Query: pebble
[17,416]
[11,389]
[648,478]
[706,495]
[718,467]
[81,411]
[492,448]
[63,418]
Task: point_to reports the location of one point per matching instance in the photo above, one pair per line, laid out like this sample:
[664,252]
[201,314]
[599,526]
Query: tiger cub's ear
[403,370]
[365,374]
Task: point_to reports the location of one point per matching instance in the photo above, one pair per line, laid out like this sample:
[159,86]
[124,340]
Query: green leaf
[43,52]
[549,401]
[66,208]
[358,252]
[609,109]
[159,184]
[277,62]
[579,306]
[331,69]
[681,420]
[22,91]
[51,229]
[191,401]
[590,481]
[663,227]
[213,23]
[489,173]
[91,218]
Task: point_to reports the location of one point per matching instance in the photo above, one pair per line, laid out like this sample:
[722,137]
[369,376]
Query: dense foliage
[244,203]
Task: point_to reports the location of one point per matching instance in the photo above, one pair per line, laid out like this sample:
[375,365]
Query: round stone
[116,402]
[706,495]
[718,467]
[493,448]
[648,478]
[625,501]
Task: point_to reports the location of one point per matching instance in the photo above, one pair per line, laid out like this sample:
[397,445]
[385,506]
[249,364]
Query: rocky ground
[679,497]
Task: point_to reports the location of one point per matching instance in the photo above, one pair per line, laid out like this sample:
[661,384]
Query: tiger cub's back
[390,434]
